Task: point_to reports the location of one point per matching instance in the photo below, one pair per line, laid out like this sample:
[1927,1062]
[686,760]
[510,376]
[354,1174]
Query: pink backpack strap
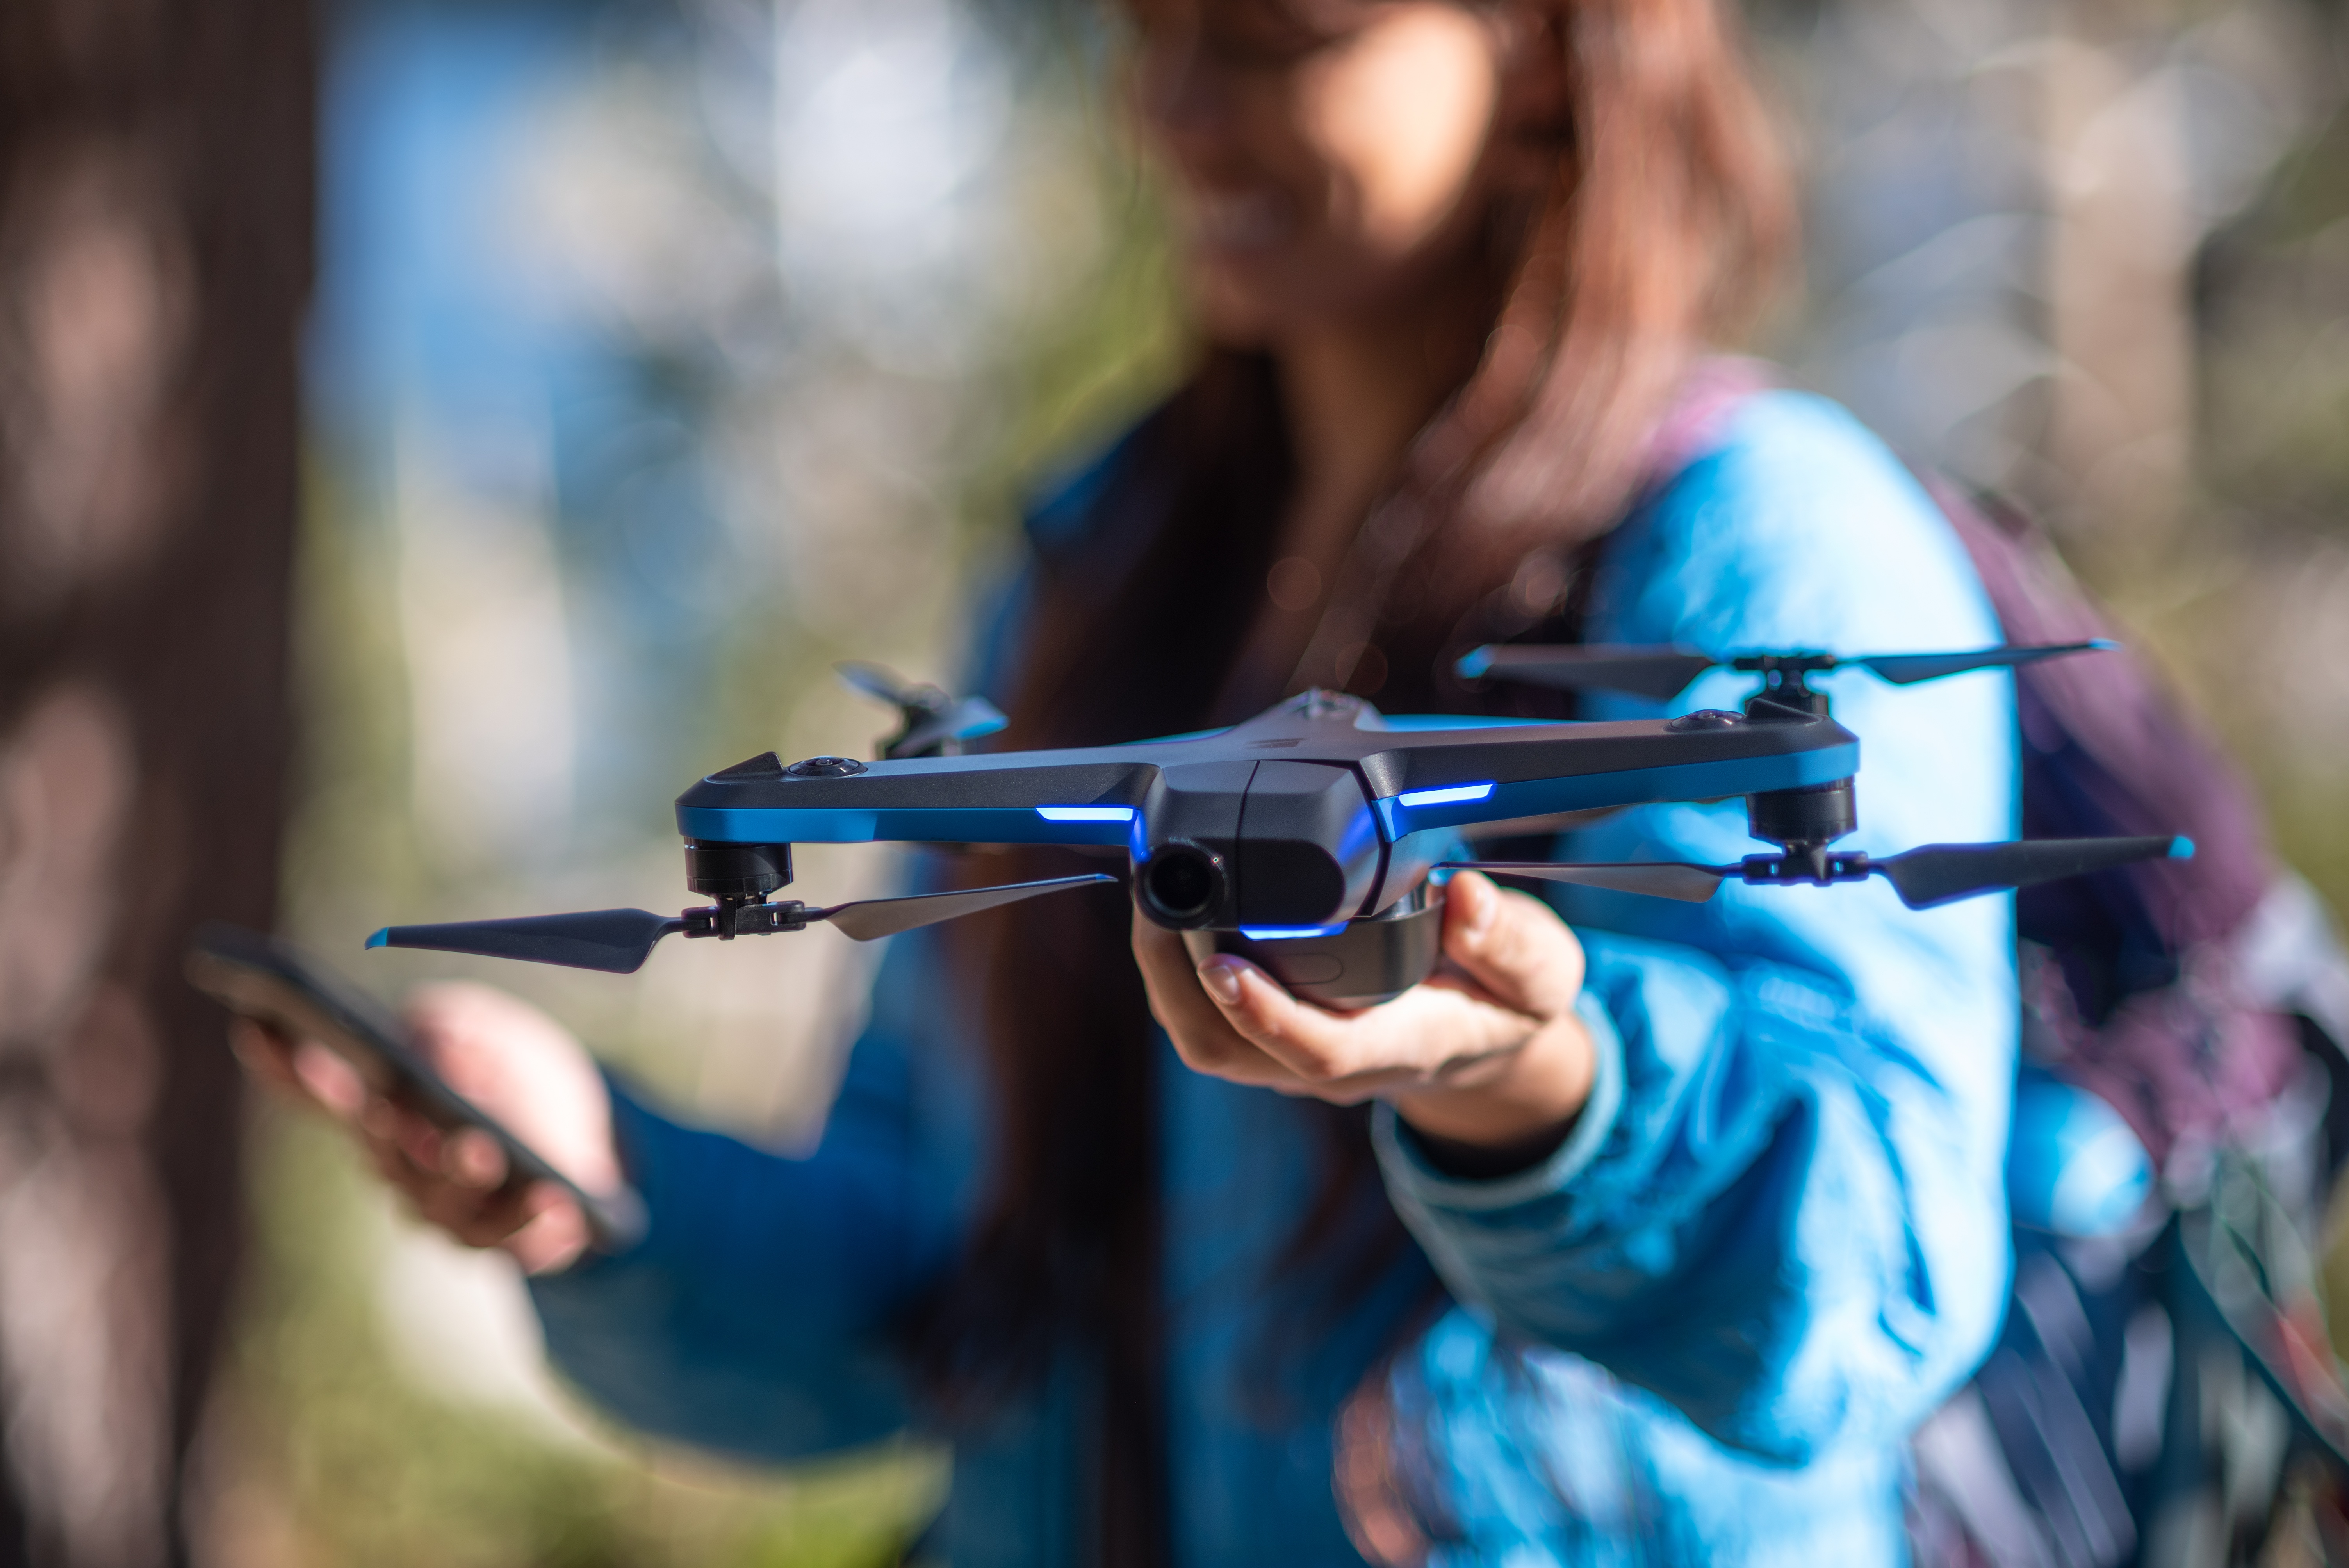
[1697,419]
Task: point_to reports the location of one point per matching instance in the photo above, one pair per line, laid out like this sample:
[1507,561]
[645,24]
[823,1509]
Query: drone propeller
[1657,673]
[1923,877]
[934,722]
[1660,674]
[1907,669]
[618,941]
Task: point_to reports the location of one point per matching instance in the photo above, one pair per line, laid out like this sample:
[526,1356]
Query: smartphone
[258,978]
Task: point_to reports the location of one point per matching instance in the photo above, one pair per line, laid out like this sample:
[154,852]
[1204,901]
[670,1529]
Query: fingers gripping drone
[1314,838]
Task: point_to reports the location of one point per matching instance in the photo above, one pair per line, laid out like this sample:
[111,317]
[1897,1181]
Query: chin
[1253,303]
[1225,326]
[1251,308]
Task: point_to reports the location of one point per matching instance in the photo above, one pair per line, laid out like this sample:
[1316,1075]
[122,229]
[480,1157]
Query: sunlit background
[666,351]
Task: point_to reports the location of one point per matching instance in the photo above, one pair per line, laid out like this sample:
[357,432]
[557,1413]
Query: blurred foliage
[2248,604]
[2273,310]
[340,1456]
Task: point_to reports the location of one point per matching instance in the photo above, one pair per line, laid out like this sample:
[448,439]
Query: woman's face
[1328,170]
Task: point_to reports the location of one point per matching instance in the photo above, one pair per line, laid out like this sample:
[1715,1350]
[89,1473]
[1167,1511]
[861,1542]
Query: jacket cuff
[1415,1183]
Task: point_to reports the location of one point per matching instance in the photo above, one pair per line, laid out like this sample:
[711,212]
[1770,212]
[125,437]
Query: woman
[1643,1238]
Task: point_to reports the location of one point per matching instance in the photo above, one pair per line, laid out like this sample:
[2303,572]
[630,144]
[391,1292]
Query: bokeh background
[651,356]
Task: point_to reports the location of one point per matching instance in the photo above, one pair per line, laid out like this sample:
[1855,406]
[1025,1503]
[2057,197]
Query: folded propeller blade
[868,920]
[1658,673]
[616,941]
[932,717]
[1682,879]
[887,685]
[1923,877]
[1905,669]
[1942,873]
[1664,673]
[964,719]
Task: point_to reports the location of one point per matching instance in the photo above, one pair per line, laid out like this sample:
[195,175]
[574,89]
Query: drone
[1314,839]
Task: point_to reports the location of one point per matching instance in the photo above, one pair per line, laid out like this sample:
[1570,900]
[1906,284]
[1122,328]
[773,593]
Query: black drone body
[1312,838]
[1304,839]
[1317,811]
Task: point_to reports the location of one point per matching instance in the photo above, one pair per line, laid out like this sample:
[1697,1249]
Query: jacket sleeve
[759,1314]
[1781,1210]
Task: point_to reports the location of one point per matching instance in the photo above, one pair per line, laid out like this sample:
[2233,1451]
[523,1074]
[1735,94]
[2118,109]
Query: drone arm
[1465,779]
[1682,879]
[1074,798]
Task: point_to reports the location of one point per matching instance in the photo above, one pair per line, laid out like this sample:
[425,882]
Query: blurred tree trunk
[155,220]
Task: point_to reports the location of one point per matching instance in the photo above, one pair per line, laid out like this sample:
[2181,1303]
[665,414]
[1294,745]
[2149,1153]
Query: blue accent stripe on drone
[915,825]
[2181,848]
[1085,813]
[381,938]
[1625,787]
[1290,932]
[1457,795]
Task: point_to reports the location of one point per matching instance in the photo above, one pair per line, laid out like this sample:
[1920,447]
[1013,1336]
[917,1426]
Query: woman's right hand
[507,1057]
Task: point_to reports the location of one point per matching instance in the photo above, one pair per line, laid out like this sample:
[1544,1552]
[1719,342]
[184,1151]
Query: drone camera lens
[1181,885]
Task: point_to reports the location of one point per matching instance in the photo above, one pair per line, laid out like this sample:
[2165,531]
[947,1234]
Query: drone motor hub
[1816,814]
[727,920]
[737,872]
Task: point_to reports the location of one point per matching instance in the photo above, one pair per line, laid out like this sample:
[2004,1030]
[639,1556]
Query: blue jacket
[1699,1332]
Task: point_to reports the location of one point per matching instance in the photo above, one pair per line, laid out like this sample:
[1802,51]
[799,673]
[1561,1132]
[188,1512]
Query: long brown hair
[1667,216]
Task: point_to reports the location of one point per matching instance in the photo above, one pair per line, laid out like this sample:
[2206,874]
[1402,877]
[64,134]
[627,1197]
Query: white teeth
[1244,221]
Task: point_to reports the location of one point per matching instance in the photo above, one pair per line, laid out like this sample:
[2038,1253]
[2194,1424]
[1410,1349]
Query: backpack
[2170,1395]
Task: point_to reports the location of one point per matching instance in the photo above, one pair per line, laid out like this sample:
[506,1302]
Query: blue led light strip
[1288,933]
[1459,794]
[1086,813]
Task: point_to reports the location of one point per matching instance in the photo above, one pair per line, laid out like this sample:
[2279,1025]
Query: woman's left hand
[1487,1059]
